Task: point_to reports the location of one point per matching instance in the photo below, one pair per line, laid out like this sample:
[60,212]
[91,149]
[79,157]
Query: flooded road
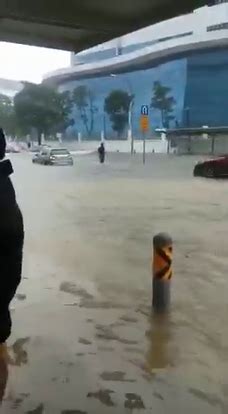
[84,340]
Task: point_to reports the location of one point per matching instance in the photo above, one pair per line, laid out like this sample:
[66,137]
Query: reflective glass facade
[198,84]
[206,89]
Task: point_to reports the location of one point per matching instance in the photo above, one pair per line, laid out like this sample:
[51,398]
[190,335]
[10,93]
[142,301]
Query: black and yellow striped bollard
[162,271]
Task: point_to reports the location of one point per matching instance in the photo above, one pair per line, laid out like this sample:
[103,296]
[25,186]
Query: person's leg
[5,325]
[10,271]
[3,370]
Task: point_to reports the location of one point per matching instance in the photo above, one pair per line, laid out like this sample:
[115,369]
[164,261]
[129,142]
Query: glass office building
[186,56]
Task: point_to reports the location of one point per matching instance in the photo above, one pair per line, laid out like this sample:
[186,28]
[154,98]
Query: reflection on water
[159,336]
[3,370]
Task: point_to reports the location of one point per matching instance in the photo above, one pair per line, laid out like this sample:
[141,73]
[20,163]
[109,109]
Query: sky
[30,63]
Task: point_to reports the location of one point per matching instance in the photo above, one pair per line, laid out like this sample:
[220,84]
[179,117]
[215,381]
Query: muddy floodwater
[84,339]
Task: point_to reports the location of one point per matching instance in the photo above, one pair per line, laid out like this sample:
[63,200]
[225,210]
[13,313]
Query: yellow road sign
[144,123]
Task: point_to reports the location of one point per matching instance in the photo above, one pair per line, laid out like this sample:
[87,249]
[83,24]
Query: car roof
[58,149]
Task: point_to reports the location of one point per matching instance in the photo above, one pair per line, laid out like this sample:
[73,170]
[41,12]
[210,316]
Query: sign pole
[144,124]
[144,148]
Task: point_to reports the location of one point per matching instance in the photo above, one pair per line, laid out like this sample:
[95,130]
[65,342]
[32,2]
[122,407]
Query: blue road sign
[145,110]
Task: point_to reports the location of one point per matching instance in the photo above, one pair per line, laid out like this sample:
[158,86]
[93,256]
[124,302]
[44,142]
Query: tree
[117,107]
[7,115]
[163,102]
[42,107]
[84,99]
[65,106]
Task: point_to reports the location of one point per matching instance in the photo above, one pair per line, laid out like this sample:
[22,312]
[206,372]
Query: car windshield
[59,152]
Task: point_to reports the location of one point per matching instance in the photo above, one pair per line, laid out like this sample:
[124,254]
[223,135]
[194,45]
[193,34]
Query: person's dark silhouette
[101,153]
[4,360]
[11,242]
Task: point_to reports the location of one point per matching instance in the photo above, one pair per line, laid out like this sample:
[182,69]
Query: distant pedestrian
[11,242]
[101,153]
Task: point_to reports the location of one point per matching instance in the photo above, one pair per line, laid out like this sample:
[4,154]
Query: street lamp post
[187,124]
[104,124]
[130,135]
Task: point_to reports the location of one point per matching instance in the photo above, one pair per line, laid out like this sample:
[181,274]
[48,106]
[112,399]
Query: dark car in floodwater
[53,156]
[212,168]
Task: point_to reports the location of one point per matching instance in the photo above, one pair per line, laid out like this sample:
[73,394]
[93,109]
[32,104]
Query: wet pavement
[84,339]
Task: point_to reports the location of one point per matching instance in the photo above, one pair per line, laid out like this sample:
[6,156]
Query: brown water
[84,339]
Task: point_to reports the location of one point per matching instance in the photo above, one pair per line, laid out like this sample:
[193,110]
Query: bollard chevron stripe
[166,256]
[162,271]
[162,263]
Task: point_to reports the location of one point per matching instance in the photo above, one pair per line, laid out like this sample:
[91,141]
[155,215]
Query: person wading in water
[101,153]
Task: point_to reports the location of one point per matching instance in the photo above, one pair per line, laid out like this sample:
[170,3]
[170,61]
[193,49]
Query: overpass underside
[78,24]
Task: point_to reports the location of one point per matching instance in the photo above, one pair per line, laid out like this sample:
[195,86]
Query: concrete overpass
[78,24]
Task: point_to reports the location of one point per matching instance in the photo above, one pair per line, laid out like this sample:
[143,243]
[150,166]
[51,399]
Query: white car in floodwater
[12,147]
[53,156]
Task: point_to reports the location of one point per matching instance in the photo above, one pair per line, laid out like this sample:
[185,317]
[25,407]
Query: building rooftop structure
[205,28]
[185,59]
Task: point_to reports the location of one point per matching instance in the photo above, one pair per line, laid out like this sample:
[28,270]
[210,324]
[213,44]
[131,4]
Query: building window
[213,2]
[220,26]
[119,50]
[164,39]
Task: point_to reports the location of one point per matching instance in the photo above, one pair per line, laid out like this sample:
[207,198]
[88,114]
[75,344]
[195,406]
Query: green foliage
[163,102]
[42,107]
[83,98]
[117,107]
[7,115]
[63,111]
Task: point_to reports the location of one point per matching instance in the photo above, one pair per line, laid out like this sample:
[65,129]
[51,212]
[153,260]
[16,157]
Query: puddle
[134,402]
[209,398]
[92,304]
[84,341]
[86,299]
[106,333]
[73,412]
[130,319]
[20,355]
[103,396]
[158,396]
[115,376]
[71,288]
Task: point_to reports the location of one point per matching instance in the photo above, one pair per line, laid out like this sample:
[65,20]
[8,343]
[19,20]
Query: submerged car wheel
[209,172]
[197,172]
